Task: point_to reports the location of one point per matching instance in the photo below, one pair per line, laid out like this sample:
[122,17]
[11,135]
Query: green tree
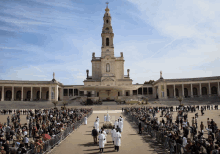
[180,99]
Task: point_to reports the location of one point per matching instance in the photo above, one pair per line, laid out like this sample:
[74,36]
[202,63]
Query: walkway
[81,140]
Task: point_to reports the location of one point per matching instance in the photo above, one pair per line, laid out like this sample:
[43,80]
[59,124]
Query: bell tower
[107,35]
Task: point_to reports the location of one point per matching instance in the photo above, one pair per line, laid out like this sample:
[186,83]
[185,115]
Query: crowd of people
[101,134]
[40,126]
[180,129]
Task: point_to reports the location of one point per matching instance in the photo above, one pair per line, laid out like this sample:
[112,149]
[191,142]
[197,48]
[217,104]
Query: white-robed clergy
[85,120]
[102,139]
[104,132]
[108,118]
[116,123]
[113,131]
[117,138]
[96,125]
[120,125]
[104,118]
[97,119]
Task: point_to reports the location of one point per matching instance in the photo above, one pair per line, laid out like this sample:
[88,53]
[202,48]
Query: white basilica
[108,81]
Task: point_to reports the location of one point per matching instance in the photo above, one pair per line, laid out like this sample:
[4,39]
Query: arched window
[185,92]
[28,95]
[107,67]
[107,41]
[18,95]
[204,91]
[195,91]
[38,95]
[214,90]
[106,21]
[177,92]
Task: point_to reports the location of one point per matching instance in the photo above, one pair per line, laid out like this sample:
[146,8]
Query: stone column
[93,93]
[218,90]
[13,88]
[191,90]
[31,94]
[182,90]
[174,91]
[209,89]
[85,93]
[123,93]
[159,92]
[154,92]
[131,92]
[200,90]
[61,93]
[49,93]
[3,94]
[22,93]
[165,91]
[56,93]
[40,91]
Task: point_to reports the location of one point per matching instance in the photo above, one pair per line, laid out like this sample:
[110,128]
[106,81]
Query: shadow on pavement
[88,144]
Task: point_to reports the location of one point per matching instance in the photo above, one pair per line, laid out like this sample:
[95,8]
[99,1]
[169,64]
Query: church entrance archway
[185,92]
[214,90]
[89,94]
[28,95]
[204,91]
[177,92]
[8,96]
[38,95]
[195,91]
[18,95]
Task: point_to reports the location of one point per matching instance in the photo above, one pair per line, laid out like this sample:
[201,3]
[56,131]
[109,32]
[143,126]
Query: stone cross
[107,3]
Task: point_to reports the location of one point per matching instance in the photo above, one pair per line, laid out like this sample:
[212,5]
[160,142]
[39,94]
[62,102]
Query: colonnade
[30,92]
[169,90]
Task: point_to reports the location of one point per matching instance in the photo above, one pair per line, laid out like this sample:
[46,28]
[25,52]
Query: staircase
[109,103]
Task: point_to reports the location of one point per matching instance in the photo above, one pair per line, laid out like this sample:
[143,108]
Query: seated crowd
[178,130]
[41,126]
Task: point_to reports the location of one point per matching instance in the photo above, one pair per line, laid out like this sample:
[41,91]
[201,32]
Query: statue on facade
[93,55]
[87,71]
[53,77]
[161,75]
[128,70]
[121,54]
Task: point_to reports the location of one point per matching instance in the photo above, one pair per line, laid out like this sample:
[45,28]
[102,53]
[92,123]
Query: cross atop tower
[107,4]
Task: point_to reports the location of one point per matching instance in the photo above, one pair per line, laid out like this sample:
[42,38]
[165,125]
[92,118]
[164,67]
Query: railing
[169,145]
[50,144]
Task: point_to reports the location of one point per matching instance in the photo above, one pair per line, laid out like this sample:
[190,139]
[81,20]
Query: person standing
[94,134]
[117,140]
[96,125]
[104,118]
[8,121]
[113,131]
[85,120]
[116,124]
[120,125]
[139,126]
[101,141]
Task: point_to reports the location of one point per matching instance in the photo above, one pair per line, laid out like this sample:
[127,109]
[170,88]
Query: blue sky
[39,37]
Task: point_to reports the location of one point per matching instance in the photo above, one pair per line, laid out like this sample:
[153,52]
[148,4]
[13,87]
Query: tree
[64,103]
[180,99]
[55,103]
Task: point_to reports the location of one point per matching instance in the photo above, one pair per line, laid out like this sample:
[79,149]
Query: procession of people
[103,133]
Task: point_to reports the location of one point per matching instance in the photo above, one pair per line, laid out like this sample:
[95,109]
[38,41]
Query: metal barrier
[170,145]
[50,144]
